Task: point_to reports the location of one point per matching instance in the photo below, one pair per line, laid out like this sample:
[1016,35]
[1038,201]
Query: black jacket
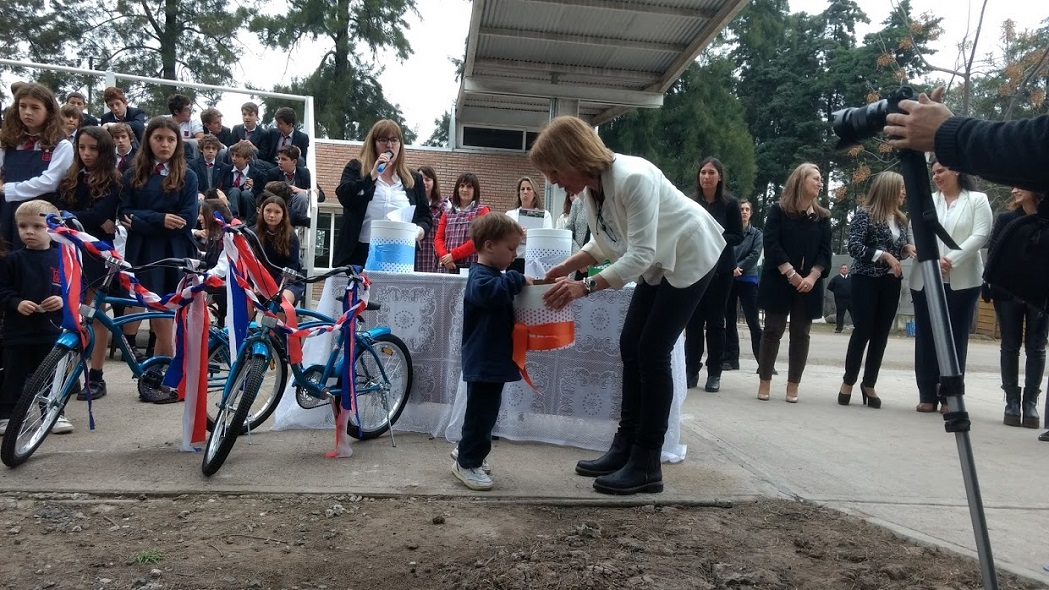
[841,286]
[134,117]
[805,244]
[355,192]
[748,252]
[726,213]
[30,275]
[1013,153]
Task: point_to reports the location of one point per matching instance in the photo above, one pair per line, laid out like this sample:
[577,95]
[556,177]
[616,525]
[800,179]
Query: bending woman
[654,235]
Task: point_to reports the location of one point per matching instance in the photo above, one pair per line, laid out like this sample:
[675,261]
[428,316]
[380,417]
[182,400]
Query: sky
[438,33]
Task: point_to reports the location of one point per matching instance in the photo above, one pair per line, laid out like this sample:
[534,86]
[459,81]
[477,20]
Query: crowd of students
[147,185]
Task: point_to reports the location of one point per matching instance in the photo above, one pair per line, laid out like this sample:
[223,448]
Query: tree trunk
[169,40]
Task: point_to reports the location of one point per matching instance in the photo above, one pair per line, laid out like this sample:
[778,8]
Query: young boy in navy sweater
[487,349]
[30,292]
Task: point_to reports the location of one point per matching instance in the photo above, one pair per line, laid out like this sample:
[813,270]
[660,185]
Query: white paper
[531,218]
[406,214]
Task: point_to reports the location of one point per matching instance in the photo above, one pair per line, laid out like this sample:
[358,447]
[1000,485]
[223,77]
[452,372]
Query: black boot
[1030,408]
[1012,406]
[613,459]
[642,473]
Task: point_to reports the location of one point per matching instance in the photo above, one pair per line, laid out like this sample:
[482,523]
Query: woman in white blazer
[655,236]
[966,215]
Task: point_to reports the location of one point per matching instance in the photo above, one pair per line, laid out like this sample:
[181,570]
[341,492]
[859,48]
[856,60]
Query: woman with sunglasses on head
[373,185]
[797,258]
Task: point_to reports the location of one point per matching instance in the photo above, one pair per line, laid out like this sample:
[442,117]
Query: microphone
[382,166]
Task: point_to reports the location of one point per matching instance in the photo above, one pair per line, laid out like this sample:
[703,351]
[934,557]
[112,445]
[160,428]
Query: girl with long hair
[159,208]
[279,242]
[425,255]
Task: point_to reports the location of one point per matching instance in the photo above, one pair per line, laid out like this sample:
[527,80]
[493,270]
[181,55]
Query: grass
[149,556]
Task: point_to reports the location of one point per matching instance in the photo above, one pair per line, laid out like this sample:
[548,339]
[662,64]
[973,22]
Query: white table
[581,385]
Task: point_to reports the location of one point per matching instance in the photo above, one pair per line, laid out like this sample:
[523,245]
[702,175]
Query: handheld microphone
[382,166]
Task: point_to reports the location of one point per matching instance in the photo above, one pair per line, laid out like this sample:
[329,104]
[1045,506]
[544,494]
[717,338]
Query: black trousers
[1012,317]
[20,360]
[708,317]
[742,294]
[842,305]
[482,411]
[798,351]
[961,305]
[654,321]
[873,309]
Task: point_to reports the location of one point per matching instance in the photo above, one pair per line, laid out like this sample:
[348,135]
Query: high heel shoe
[763,395]
[869,400]
[844,398]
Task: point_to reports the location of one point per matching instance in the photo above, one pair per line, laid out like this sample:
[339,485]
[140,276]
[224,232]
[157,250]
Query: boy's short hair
[279,188]
[34,209]
[211,140]
[118,129]
[494,227]
[177,102]
[76,94]
[249,107]
[244,150]
[209,114]
[291,151]
[68,110]
[285,115]
[113,93]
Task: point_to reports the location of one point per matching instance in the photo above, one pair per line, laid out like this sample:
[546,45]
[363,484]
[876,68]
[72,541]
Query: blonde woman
[528,200]
[374,184]
[797,259]
[877,243]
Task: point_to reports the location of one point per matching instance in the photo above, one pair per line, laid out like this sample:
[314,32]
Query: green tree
[191,40]
[347,96]
[439,137]
[700,117]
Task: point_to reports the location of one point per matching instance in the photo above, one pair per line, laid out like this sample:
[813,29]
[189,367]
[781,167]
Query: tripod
[952,385]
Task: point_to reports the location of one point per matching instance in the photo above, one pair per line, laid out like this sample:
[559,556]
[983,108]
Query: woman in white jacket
[966,215]
[655,236]
[529,201]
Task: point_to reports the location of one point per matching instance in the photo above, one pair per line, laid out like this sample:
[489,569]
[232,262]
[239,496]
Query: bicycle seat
[372,305]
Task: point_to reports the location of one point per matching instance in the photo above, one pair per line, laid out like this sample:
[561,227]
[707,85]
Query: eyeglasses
[604,228]
[388,140]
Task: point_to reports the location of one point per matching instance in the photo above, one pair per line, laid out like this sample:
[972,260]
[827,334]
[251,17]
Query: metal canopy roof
[609,55]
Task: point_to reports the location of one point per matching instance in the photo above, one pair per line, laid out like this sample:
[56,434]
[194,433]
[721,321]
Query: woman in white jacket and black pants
[655,235]
[966,215]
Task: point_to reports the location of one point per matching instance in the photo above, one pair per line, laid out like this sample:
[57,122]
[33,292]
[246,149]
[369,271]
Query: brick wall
[497,171]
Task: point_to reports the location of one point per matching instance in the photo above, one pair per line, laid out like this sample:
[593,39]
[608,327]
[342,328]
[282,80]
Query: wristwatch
[590,284]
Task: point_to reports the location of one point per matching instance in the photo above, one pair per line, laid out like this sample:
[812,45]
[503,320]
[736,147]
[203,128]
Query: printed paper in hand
[531,218]
[406,214]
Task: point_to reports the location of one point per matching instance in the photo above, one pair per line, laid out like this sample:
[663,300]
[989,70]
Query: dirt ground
[341,542]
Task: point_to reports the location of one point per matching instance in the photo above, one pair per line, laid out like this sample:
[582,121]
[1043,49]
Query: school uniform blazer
[134,117]
[661,233]
[220,172]
[300,179]
[225,136]
[970,227]
[256,137]
[298,139]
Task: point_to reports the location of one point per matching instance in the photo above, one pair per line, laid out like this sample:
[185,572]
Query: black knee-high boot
[1030,408]
[613,460]
[642,473]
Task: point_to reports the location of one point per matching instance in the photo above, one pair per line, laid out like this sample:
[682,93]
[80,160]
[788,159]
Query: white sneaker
[3,426]
[485,467]
[475,479]
[62,426]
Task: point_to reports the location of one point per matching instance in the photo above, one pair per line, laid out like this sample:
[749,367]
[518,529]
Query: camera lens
[855,124]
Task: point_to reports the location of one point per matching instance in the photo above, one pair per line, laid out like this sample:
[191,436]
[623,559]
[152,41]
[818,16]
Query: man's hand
[915,128]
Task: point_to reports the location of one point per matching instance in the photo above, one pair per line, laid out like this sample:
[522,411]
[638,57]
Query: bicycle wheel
[231,416]
[274,380]
[380,401]
[41,403]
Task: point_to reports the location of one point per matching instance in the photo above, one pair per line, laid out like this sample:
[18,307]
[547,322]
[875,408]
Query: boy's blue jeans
[482,410]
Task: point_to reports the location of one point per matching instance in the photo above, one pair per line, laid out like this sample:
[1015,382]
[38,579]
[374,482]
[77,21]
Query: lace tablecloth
[580,385]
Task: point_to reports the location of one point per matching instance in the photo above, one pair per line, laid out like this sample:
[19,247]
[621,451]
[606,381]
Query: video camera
[855,124]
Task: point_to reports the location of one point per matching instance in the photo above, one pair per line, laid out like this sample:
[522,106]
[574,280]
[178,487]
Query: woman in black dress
[797,256]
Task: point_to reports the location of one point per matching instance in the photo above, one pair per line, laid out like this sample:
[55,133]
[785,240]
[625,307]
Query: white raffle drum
[392,246]
[546,248]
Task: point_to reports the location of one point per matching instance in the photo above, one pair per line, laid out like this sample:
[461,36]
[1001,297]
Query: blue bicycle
[382,364]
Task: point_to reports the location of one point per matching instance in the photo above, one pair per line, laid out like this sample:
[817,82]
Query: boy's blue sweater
[488,325]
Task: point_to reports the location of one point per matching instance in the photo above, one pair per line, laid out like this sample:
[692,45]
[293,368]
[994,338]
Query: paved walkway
[893,466]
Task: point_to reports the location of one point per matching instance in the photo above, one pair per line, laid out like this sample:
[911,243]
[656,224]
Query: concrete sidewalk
[893,466]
